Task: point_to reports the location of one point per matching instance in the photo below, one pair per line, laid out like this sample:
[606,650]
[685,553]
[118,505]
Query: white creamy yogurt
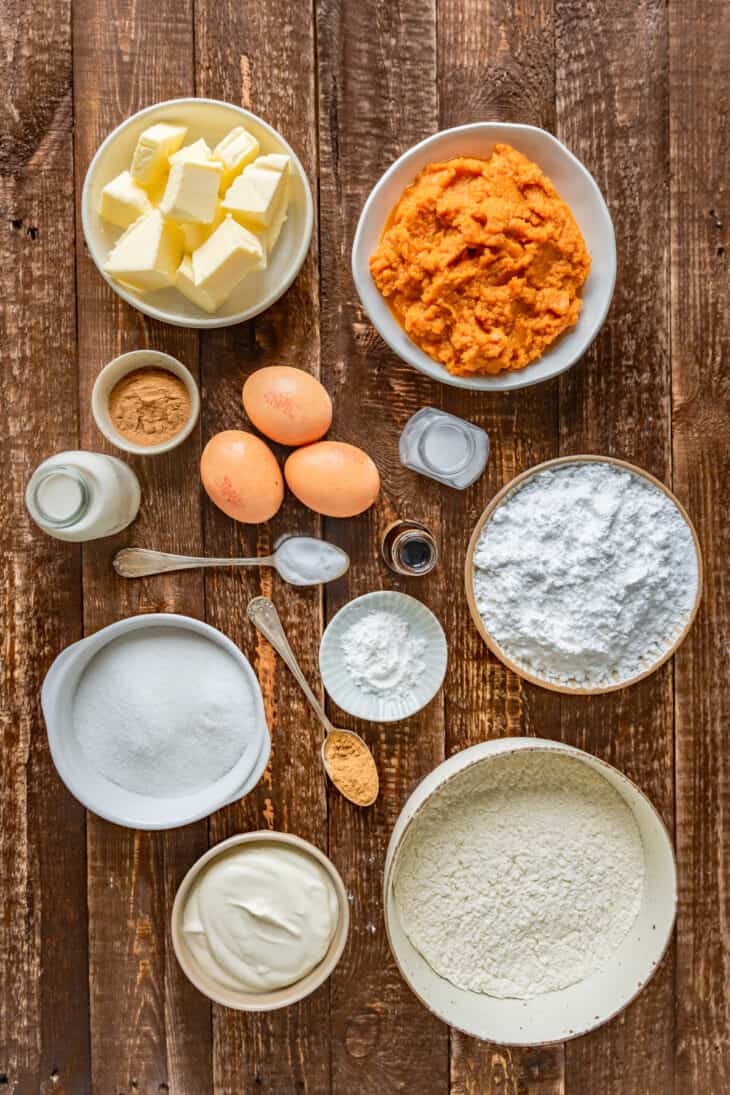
[305,561]
[260,917]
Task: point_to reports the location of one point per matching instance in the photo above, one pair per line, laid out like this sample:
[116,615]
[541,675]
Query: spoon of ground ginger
[346,757]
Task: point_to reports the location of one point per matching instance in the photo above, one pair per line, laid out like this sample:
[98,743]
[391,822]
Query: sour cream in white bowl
[575,186]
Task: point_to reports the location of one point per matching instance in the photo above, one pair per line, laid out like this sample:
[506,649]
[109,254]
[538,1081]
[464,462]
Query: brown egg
[240,474]
[333,478]
[287,405]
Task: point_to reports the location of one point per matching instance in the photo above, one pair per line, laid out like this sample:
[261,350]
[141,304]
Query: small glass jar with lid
[444,447]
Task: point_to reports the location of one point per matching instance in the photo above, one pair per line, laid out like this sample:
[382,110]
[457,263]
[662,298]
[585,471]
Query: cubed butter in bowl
[160,226]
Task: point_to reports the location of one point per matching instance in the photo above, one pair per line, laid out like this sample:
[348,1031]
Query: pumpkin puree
[482,263]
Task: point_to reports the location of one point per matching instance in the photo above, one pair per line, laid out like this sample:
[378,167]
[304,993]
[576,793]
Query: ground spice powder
[351,768]
[149,406]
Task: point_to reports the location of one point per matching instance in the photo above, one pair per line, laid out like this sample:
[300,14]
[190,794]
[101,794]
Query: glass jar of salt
[444,447]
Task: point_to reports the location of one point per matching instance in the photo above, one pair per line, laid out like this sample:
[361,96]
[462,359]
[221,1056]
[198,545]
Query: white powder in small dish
[164,712]
[586,574]
[382,655]
[521,876]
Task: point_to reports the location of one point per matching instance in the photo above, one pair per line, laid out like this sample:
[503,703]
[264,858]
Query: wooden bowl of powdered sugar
[529,891]
[584,574]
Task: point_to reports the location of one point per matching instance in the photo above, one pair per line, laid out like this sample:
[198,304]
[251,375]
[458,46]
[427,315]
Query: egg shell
[333,478]
[287,405]
[240,474]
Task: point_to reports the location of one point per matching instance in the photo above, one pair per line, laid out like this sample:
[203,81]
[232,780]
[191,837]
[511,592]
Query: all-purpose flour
[585,575]
[521,876]
[164,711]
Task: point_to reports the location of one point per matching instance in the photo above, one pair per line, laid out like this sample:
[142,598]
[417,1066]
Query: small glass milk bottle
[82,496]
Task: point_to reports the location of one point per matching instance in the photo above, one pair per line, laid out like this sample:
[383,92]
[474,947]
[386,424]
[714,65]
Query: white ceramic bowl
[367,705]
[574,184]
[119,367]
[210,119]
[570,1012]
[105,798]
[290,994]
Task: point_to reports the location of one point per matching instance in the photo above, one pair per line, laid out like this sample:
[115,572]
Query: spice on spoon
[351,767]
[149,406]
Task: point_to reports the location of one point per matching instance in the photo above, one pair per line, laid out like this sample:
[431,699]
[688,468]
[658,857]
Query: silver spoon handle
[263,615]
[141,562]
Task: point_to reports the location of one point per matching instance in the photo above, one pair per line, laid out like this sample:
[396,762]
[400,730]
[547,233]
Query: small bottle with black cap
[409,548]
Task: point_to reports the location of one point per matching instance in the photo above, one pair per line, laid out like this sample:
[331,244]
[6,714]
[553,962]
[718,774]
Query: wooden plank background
[92,998]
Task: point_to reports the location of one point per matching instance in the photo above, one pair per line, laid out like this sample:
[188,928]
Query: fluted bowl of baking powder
[514,950]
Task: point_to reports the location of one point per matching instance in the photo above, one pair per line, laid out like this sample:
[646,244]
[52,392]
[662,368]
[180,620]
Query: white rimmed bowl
[516,484]
[290,994]
[577,1009]
[120,367]
[105,798]
[368,705]
[574,184]
[210,119]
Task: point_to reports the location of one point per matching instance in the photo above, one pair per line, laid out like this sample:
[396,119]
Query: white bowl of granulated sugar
[383,656]
[530,891]
[155,721]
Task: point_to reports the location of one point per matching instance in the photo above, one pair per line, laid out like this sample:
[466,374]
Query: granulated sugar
[164,711]
[585,575]
[521,876]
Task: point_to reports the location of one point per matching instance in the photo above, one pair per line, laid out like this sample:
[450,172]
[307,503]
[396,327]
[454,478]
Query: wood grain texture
[377,67]
[495,64]
[261,55]
[150,1027]
[44,1040]
[700,215]
[611,80]
[638,91]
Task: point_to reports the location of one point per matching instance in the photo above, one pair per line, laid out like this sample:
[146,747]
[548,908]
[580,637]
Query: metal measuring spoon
[133,562]
[263,615]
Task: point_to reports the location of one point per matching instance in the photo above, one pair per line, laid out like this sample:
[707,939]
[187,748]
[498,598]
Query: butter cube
[275,161]
[225,258]
[270,235]
[148,254]
[154,147]
[185,282]
[191,194]
[198,150]
[236,149]
[195,235]
[256,197]
[123,201]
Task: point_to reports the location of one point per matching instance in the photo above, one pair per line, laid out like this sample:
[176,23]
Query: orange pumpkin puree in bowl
[482,263]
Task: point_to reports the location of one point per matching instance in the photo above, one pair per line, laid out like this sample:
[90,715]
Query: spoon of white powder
[164,712]
[300,561]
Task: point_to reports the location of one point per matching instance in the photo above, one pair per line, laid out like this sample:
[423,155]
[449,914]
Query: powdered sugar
[521,876]
[586,574]
[382,655]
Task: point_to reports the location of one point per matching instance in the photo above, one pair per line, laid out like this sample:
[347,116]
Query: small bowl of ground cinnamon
[145,402]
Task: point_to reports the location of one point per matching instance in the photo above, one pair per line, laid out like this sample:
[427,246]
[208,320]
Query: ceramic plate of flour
[584,574]
[530,891]
[383,656]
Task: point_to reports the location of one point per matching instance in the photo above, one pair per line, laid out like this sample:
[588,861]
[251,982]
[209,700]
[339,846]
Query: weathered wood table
[91,995]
